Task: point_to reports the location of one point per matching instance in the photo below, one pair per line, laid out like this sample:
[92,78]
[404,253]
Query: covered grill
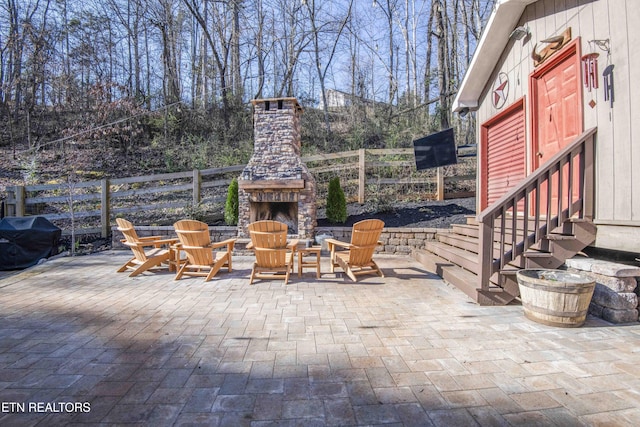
[26,240]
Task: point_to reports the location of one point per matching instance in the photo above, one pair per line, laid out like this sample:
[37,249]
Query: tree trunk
[443,69]
[235,51]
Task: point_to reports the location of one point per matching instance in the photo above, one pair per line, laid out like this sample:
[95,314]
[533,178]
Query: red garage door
[503,153]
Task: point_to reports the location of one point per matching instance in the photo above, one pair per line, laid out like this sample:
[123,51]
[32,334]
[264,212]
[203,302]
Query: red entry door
[557,113]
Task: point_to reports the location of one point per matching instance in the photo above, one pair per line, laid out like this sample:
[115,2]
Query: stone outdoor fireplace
[276,184]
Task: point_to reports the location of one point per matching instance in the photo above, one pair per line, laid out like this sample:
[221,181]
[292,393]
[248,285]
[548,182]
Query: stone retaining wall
[615,298]
[401,241]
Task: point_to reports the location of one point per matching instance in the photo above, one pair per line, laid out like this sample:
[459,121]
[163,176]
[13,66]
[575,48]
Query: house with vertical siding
[554,86]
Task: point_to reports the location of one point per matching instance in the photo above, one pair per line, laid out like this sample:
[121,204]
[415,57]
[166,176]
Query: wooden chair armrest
[293,244]
[162,242]
[146,238]
[228,242]
[169,241]
[334,242]
[156,243]
[191,248]
[249,246]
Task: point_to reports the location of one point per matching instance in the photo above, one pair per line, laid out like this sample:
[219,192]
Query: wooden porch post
[485,252]
[197,181]
[20,202]
[589,172]
[440,183]
[362,175]
[105,208]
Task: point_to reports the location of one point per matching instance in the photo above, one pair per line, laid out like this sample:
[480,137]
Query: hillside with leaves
[128,87]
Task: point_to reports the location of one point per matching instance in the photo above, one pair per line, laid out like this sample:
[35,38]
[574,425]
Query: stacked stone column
[615,298]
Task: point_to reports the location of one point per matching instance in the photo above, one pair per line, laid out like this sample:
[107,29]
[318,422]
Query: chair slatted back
[131,238]
[267,225]
[364,238]
[196,241]
[271,258]
[269,240]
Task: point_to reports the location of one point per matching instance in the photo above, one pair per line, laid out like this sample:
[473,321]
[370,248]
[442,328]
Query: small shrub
[231,205]
[336,203]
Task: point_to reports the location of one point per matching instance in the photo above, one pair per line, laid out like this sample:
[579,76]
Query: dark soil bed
[427,214]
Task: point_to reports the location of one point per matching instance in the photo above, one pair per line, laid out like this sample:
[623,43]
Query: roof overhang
[503,20]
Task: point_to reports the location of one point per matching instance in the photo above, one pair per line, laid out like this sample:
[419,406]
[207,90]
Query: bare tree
[389,8]
[168,21]
[326,39]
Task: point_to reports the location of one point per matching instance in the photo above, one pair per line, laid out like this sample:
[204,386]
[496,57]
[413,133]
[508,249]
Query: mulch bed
[427,214]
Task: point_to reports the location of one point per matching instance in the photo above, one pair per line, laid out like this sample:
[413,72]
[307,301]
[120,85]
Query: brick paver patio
[81,344]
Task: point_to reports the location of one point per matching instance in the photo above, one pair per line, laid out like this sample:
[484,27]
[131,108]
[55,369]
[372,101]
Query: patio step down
[453,274]
[459,241]
[460,257]
[465,230]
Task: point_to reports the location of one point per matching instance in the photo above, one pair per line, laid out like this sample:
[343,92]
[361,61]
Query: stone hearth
[276,184]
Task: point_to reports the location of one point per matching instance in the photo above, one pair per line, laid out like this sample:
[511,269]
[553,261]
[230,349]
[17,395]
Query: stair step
[576,220]
[509,281]
[465,229]
[459,241]
[494,296]
[537,254]
[457,276]
[460,257]
[558,237]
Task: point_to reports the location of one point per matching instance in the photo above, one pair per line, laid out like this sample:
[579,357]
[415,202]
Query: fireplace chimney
[276,184]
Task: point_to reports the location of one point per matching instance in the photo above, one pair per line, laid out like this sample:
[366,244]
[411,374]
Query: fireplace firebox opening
[285,212]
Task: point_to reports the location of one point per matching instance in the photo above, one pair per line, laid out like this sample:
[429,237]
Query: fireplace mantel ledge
[266,184]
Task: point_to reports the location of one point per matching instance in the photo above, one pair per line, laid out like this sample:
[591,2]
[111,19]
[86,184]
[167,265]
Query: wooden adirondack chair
[358,258]
[202,257]
[274,255]
[143,259]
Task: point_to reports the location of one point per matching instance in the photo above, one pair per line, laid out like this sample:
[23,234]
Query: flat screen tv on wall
[437,149]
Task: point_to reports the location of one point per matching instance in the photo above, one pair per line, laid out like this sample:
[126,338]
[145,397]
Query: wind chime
[607,77]
[590,72]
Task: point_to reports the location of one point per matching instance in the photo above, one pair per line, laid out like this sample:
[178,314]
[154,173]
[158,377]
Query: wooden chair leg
[126,265]
[253,275]
[216,267]
[181,271]
[147,265]
[377,269]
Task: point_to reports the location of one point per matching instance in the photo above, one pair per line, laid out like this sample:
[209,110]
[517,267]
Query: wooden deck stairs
[454,257]
[523,229]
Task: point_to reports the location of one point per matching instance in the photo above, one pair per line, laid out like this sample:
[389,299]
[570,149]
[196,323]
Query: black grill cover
[26,240]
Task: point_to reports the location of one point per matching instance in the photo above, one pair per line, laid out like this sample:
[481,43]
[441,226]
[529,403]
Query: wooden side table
[310,260]
[175,258]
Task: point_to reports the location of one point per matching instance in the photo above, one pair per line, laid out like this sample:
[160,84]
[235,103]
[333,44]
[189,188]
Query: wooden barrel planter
[555,297]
